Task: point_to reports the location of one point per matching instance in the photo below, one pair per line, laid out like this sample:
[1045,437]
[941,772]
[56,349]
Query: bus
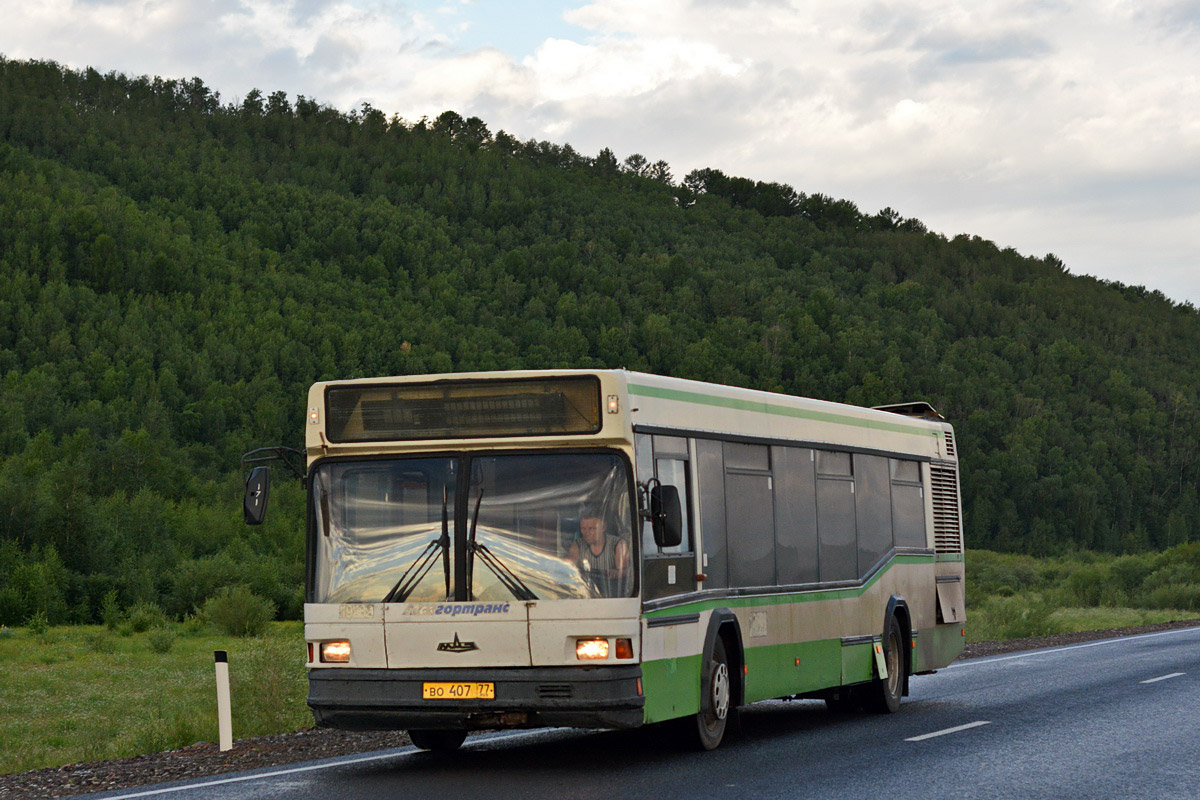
[611,549]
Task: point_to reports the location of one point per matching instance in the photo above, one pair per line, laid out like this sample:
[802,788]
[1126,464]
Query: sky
[1058,126]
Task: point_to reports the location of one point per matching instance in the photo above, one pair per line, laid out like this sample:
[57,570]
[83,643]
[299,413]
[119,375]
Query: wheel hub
[720,691]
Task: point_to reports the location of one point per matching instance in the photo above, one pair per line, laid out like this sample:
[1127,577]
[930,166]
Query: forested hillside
[175,271]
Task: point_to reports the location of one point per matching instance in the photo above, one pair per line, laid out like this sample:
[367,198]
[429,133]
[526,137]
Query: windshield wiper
[506,576]
[417,570]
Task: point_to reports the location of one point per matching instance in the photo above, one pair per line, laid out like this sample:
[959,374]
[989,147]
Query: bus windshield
[522,526]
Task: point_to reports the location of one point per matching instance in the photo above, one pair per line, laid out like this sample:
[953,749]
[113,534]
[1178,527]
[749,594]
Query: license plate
[459,691]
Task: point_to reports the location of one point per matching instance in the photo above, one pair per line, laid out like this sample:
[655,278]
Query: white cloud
[1042,124]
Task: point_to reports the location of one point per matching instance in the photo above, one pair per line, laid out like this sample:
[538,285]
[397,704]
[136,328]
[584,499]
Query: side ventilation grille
[950,451]
[947,524]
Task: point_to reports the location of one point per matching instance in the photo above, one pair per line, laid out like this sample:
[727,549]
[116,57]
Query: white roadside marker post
[224,722]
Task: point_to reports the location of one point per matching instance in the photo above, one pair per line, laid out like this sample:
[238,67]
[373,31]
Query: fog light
[591,648]
[335,652]
[624,648]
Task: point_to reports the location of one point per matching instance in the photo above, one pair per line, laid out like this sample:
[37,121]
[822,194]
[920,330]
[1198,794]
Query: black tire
[882,696]
[716,699]
[441,741]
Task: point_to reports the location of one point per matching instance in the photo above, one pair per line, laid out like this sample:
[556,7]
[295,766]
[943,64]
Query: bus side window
[674,472]
[665,458]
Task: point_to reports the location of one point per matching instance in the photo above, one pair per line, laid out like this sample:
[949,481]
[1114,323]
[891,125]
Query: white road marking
[955,729]
[1164,677]
[308,768]
[971,662]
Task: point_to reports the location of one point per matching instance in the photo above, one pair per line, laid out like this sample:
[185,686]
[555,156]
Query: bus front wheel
[442,741]
[716,695]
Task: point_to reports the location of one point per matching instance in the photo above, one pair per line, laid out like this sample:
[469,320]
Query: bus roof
[662,404]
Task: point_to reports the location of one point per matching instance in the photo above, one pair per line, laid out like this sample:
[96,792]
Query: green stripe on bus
[779,670]
[949,557]
[784,599]
[762,407]
[671,687]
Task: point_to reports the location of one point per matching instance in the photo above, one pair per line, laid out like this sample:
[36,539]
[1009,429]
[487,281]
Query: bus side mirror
[258,489]
[666,515]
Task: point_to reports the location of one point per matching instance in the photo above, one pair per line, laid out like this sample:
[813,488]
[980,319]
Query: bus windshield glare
[550,526]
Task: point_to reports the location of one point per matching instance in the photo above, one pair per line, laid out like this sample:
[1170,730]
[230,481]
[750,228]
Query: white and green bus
[610,549]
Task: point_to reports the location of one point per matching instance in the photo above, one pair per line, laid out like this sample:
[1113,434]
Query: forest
[175,270]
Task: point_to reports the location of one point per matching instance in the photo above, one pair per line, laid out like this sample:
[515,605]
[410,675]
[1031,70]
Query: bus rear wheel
[716,695]
[440,741]
[883,695]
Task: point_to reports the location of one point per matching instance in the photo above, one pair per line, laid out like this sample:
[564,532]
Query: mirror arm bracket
[644,491]
[292,459]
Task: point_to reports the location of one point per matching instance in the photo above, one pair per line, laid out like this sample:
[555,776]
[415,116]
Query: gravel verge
[203,758]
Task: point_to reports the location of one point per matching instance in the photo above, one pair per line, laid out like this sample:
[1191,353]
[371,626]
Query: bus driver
[603,559]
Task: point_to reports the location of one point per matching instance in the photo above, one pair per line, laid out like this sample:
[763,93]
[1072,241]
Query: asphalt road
[1108,719]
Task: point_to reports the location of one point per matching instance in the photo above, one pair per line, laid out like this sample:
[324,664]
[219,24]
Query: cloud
[1031,122]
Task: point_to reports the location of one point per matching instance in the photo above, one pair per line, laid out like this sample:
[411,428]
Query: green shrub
[1180,596]
[100,643]
[144,616]
[38,624]
[164,730]
[999,573]
[269,688]
[1086,585]
[1129,572]
[1172,574]
[237,611]
[161,640]
[1012,618]
[110,610]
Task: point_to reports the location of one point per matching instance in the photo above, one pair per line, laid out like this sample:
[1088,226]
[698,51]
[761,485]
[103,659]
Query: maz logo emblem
[456,646]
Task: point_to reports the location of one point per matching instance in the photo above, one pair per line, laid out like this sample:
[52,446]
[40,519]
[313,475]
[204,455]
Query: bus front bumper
[526,697]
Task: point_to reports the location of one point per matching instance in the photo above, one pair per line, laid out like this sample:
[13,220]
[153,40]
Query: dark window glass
[835,525]
[750,520]
[463,409]
[795,515]
[830,463]
[873,510]
[908,504]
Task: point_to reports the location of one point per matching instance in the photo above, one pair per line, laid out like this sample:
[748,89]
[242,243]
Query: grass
[1014,596]
[1020,617]
[86,694]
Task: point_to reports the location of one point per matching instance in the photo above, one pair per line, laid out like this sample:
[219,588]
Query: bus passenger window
[673,472]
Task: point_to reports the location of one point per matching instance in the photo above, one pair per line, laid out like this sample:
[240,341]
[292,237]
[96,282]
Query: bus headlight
[589,649]
[335,652]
